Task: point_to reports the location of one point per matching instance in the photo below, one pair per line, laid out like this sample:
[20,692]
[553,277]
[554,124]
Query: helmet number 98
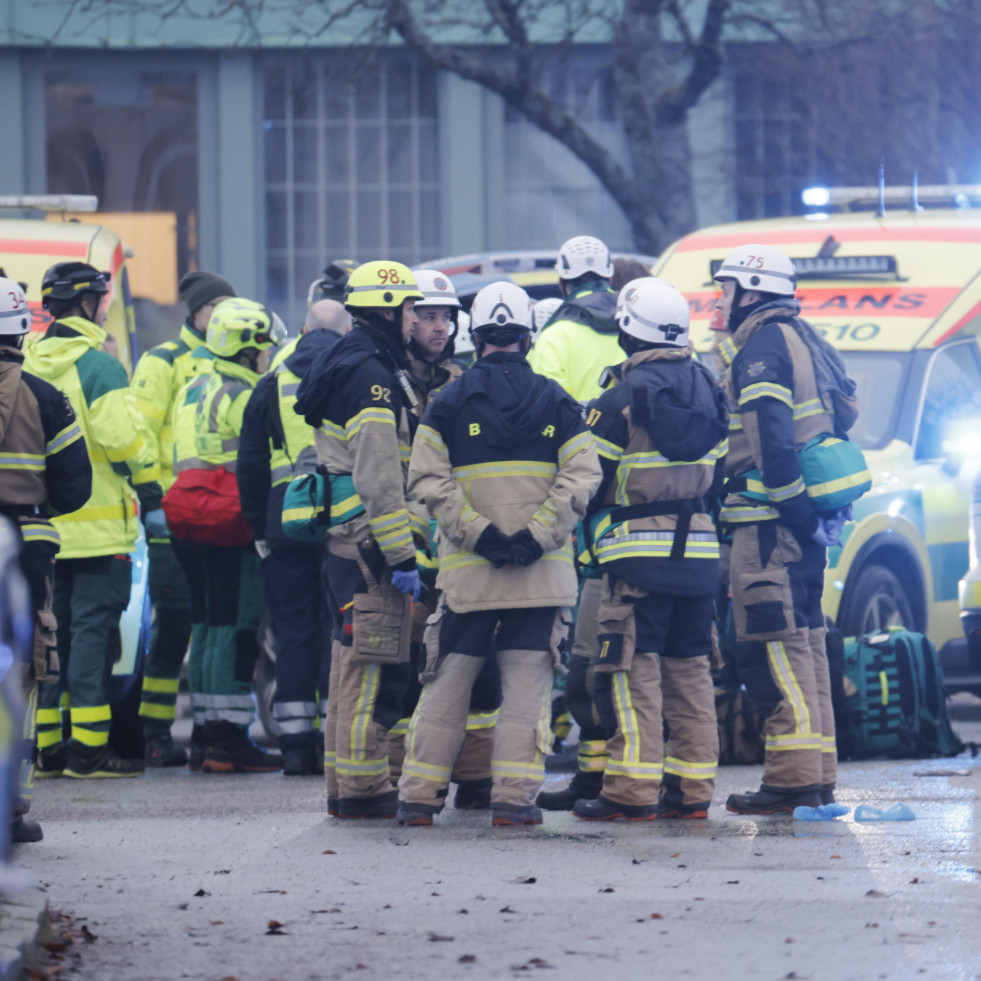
[389,275]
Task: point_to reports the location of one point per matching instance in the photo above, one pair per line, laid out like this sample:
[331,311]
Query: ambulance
[28,248]
[892,277]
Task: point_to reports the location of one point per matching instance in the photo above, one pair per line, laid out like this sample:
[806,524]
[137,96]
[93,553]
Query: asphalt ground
[179,875]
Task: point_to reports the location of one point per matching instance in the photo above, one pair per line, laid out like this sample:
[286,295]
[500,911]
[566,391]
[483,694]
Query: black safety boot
[514,815]
[99,763]
[604,809]
[383,806]
[232,751]
[583,786]
[51,761]
[827,793]
[473,795]
[303,761]
[688,812]
[161,751]
[23,830]
[415,815]
[201,738]
[773,800]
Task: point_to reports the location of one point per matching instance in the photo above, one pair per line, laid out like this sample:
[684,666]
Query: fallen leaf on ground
[328,851]
[275,928]
[88,935]
[530,880]
[506,909]
[466,959]
[656,916]
[607,889]
[439,937]
[875,894]
[202,892]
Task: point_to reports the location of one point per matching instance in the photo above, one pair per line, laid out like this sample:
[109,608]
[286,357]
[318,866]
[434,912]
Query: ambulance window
[953,392]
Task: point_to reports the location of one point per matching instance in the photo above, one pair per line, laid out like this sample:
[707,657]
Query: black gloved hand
[524,549]
[494,546]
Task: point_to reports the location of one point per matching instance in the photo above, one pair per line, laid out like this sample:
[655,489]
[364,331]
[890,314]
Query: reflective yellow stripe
[48,737]
[167,686]
[400,728]
[364,708]
[744,514]
[94,713]
[40,533]
[431,437]
[426,771]
[686,768]
[519,771]
[626,720]
[783,674]
[111,512]
[786,492]
[573,446]
[606,449]
[385,417]
[21,461]
[505,468]
[151,710]
[361,768]
[841,483]
[49,716]
[771,390]
[792,742]
[482,720]
[636,771]
[90,737]
[884,684]
[66,437]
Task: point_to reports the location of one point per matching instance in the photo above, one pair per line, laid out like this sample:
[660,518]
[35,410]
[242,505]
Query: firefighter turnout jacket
[775,411]
[355,397]
[504,446]
[122,455]
[654,526]
[44,462]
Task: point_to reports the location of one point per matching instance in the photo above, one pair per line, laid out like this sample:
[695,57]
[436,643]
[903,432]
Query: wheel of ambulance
[875,601]
[264,681]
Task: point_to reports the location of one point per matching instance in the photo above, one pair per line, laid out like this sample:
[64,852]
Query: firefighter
[276,444]
[160,374]
[93,573]
[504,462]
[661,434]
[44,471]
[240,336]
[779,542]
[360,399]
[580,339]
[431,368]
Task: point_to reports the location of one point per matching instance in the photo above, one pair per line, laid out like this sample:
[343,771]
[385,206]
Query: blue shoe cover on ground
[823,812]
[898,812]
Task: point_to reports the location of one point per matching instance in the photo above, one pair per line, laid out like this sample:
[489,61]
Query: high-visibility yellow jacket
[208,417]
[123,456]
[579,342]
[159,377]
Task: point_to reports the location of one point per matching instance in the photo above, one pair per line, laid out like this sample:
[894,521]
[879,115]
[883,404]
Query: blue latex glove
[407,582]
[823,812]
[155,523]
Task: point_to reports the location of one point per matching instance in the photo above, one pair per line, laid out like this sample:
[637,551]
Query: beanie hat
[198,288]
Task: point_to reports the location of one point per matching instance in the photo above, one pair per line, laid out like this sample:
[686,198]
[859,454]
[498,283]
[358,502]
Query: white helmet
[584,254]
[502,307]
[436,287]
[653,311]
[15,314]
[543,309]
[760,267]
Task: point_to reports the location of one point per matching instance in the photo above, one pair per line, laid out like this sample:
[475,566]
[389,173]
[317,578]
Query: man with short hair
[580,339]
[160,374]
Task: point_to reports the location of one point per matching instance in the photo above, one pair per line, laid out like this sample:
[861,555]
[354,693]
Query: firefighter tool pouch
[47,668]
[617,629]
[382,625]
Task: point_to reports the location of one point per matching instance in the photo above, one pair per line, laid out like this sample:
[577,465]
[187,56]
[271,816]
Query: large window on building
[551,195]
[351,166]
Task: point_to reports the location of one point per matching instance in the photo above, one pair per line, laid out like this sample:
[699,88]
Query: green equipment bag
[894,699]
[315,501]
[834,471]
